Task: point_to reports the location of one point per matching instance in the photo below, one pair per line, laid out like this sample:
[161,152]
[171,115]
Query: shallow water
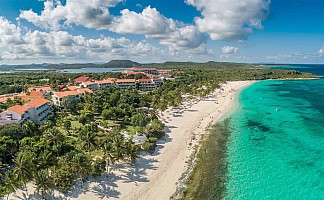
[276,148]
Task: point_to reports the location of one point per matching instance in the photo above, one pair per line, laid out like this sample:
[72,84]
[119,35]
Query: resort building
[128,72]
[81,79]
[36,110]
[58,97]
[72,87]
[5,97]
[146,84]
[124,84]
[144,70]
[15,114]
[164,72]
[157,81]
[46,90]
[152,71]
[92,85]
[109,82]
[39,110]
[23,96]
[84,91]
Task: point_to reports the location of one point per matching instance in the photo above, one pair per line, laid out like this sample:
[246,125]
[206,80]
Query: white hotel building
[37,111]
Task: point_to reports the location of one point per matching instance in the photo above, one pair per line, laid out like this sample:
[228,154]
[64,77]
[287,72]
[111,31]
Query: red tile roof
[81,79]
[37,102]
[34,94]
[134,68]
[144,80]
[23,96]
[132,73]
[84,90]
[19,109]
[125,81]
[164,70]
[72,87]
[4,99]
[89,83]
[39,88]
[66,93]
[108,80]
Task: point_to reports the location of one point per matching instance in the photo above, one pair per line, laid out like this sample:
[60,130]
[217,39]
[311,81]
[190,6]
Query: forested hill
[120,64]
[117,64]
[110,64]
[209,64]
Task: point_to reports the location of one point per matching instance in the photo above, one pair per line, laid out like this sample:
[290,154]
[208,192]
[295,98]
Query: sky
[79,31]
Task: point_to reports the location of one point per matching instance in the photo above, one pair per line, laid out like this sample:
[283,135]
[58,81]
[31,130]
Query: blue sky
[280,31]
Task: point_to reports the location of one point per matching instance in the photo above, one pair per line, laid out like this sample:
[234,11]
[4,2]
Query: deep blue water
[317,69]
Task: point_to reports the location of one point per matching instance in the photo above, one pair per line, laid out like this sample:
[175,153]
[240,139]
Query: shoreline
[293,79]
[155,175]
[191,126]
[187,176]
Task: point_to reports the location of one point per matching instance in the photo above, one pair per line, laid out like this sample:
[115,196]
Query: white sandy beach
[155,176]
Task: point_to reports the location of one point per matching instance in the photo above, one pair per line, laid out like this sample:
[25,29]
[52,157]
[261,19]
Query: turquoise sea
[276,146]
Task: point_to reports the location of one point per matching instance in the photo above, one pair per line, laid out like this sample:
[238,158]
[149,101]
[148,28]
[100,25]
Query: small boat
[277,109]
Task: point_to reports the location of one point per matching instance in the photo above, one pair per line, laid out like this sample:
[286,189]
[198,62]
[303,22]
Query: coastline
[217,134]
[294,79]
[155,176]
[185,133]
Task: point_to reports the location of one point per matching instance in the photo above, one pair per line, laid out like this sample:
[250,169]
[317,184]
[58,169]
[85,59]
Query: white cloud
[88,13]
[230,19]
[60,45]
[150,22]
[321,51]
[154,25]
[9,32]
[228,50]
[95,14]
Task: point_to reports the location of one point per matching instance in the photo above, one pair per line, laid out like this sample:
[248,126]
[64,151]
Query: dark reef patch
[260,126]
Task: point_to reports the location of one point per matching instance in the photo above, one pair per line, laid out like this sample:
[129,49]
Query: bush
[98,167]
[148,146]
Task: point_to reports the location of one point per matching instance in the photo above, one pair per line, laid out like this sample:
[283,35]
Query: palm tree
[118,149]
[108,155]
[29,128]
[56,137]
[81,164]
[132,151]
[87,136]
[44,183]
[64,173]
[10,182]
[46,159]
[113,148]
[46,126]
[23,168]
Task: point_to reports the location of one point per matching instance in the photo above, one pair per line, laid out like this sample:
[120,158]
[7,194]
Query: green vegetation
[84,138]
[120,64]
[207,180]
[110,64]
[71,146]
